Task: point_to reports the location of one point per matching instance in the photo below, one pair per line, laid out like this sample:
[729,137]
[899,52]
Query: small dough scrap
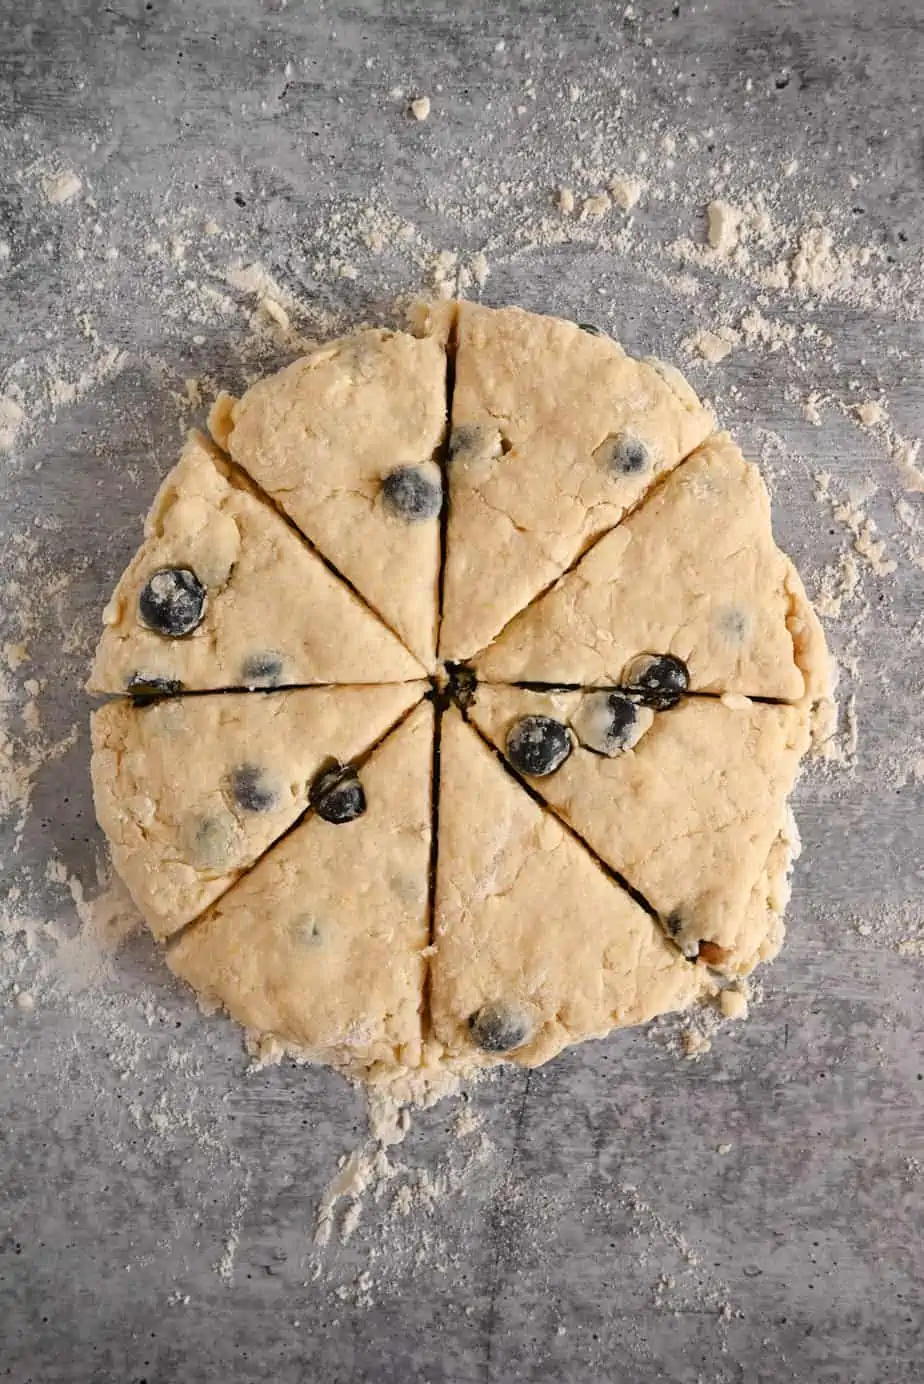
[274,614]
[321,946]
[191,791]
[540,409]
[528,925]
[323,435]
[688,817]
[694,572]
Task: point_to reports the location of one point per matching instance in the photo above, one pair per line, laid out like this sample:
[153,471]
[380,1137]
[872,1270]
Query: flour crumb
[61,187]
[733,1004]
[593,208]
[564,200]
[869,414]
[695,1043]
[420,108]
[723,226]
[712,346]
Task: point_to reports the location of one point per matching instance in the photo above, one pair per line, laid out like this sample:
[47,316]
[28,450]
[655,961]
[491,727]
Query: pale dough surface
[591,519]
[320,946]
[164,781]
[321,436]
[535,398]
[694,572]
[526,919]
[271,603]
[688,817]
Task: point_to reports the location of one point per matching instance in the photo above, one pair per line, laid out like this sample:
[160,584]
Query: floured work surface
[467,692]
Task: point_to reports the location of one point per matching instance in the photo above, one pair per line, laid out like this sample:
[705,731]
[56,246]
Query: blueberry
[337,795]
[623,455]
[465,438]
[610,722]
[591,329]
[495,1028]
[538,745]
[172,602]
[411,494]
[143,685]
[306,931]
[262,670]
[657,680]
[251,789]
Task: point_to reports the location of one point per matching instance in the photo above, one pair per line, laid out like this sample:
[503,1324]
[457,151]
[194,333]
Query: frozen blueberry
[337,794]
[172,602]
[252,790]
[411,494]
[623,455]
[306,931]
[213,842]
[145,685]
[262,670]
[610,722]
[591,329]
[465,438]
[462,684]
[495,1028]
[538,745]
[657,680]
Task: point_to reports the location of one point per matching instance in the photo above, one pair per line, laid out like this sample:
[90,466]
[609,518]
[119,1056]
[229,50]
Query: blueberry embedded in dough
[262,670]
[623,454]
[495,1028]
[252,790]
[306,931]
[409,493]
[337,795]
[172,602]
[143,685]
[733,623]
[538,745]
[610,722]
[657,680]
[592,329]
[212,842]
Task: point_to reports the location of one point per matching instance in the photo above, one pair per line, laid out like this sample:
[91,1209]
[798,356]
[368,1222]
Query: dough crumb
[724,225]
[695,1043]
[593,208]
[733,1004]
[626,191]
[870,413]
[565,201]
[420,108]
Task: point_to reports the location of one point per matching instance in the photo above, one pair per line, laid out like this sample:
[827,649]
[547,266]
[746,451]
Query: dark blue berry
[657,680]
[538,745]
[172,602]
[252,790]
[591,329]
[495,1028]
[608,722]
[262,670]
[411,494]
[337,794]
[624,455]
[143,685]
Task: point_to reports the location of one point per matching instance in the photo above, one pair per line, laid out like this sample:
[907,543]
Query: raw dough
[688,817]
[274,613]
[527,922]
[323,436]
[555,433]
[320,947]
[192,790]
[696,573]
[281,840]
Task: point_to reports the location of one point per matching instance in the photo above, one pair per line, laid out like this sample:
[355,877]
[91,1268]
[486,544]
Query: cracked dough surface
[535,400]
[696,573]
[361,872]
[274,614]
[688,816]
[321,437]
[321,945]
[164,779]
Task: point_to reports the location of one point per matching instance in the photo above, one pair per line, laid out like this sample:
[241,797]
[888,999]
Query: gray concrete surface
[156,1201]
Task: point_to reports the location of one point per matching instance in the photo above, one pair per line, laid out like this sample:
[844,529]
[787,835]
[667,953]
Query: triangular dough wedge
[274,613]
[529,930]
[324,435]
[192,790]
[320,946]
[555,433]
[689,817]
[694,572]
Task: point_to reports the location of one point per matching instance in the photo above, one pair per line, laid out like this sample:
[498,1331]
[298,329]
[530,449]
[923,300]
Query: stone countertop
[190,191]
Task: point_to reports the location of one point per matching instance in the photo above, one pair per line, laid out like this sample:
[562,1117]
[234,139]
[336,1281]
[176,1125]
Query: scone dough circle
[457,692]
